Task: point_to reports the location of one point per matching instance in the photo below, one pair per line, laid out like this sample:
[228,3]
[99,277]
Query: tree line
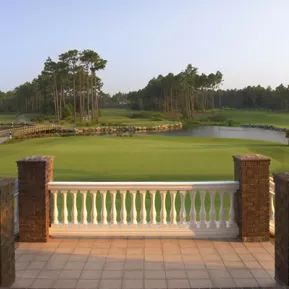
[67,86]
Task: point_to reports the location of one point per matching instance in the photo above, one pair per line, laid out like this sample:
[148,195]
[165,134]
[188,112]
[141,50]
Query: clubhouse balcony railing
[272,206]
[175,209]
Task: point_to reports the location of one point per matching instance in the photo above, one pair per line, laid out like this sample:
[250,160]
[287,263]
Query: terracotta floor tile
[110,284]
[187,244]
[74,265]
[117,251]
[49,274]
[246,282]
[23,283]
[155,284]
[94,265]
[234,265]
[43,283]
[90,274]
[263,257]
[190,251]
[112,274]
[133,284]
[99,251]
[178,283]
[267,264]
[230,257]
[196,257]
[97,258]
[198,274]
[101,245]
[259,273]
[204,244]
[65,284]
[200,283]
[176,274]
[60,257]
[133,275]
[194,265]
[134,265]
[114,266]
[154,266]
[30,274]
[154,274]
[135,251]
[21,265]
[152,250]
[173,258]
[136,243]
[224,282]
[155,257]
[214,265]
[174,266]
[211,257]
[43,258]
[252,265]
[88,284]
[240,274]
[242,250]
[26,258]
[69,274]
[267,282]
[221,274]
[205,251]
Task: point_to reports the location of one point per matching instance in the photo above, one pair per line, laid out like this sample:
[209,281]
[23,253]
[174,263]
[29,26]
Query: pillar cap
[251,157]
[35,159]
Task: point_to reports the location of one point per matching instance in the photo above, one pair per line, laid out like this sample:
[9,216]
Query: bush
[218,118]
[67,110]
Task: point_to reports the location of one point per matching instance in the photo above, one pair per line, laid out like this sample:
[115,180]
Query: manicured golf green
[141,158]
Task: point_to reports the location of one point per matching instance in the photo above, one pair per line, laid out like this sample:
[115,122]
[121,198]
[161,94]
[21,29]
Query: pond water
[229,132]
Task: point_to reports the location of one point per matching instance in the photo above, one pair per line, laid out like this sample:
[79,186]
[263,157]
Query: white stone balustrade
[172,209]
[272,206]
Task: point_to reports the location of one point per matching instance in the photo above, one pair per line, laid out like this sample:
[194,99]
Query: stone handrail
[185,217]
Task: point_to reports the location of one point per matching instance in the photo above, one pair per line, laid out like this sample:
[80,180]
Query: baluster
[164,211]
[123,207]
[84,210]
[212,220]
[133,208]
[93,209]
[173,215]
[222,222]
[202,223]
[193,213]
[104,209]
[74,208]
[143,206]
[231,222]
[64,210]
[183,209]
[55,210]
[113,208]
[153,207]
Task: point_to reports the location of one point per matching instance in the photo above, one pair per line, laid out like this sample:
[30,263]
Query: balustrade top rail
[223,185]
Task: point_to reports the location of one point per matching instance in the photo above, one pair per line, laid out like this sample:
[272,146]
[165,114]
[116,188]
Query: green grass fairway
[143,158]
[258,117]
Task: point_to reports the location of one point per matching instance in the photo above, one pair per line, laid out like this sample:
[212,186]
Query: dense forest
[69,87]
[66,87]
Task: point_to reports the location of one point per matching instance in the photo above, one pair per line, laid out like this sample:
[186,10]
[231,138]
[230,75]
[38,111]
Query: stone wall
[252,200]
[282,227]
[7,243]
[34,173]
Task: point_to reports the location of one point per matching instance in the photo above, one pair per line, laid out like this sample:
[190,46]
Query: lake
[229,132]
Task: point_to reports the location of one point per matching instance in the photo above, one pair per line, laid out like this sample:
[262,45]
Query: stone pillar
[34,174]
[7,243]
[281,228]
[252,199]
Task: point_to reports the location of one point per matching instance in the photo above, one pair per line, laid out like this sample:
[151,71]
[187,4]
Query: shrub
[218,118]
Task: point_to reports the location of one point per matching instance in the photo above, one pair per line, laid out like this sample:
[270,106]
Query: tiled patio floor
[144,263]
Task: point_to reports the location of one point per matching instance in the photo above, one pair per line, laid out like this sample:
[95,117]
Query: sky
[246,40]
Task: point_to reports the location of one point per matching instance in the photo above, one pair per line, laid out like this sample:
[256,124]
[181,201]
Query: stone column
[34,174]
[7,243]
[252,199]
[281,228]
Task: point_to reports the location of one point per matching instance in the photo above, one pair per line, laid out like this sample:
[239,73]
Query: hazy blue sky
[247,40]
